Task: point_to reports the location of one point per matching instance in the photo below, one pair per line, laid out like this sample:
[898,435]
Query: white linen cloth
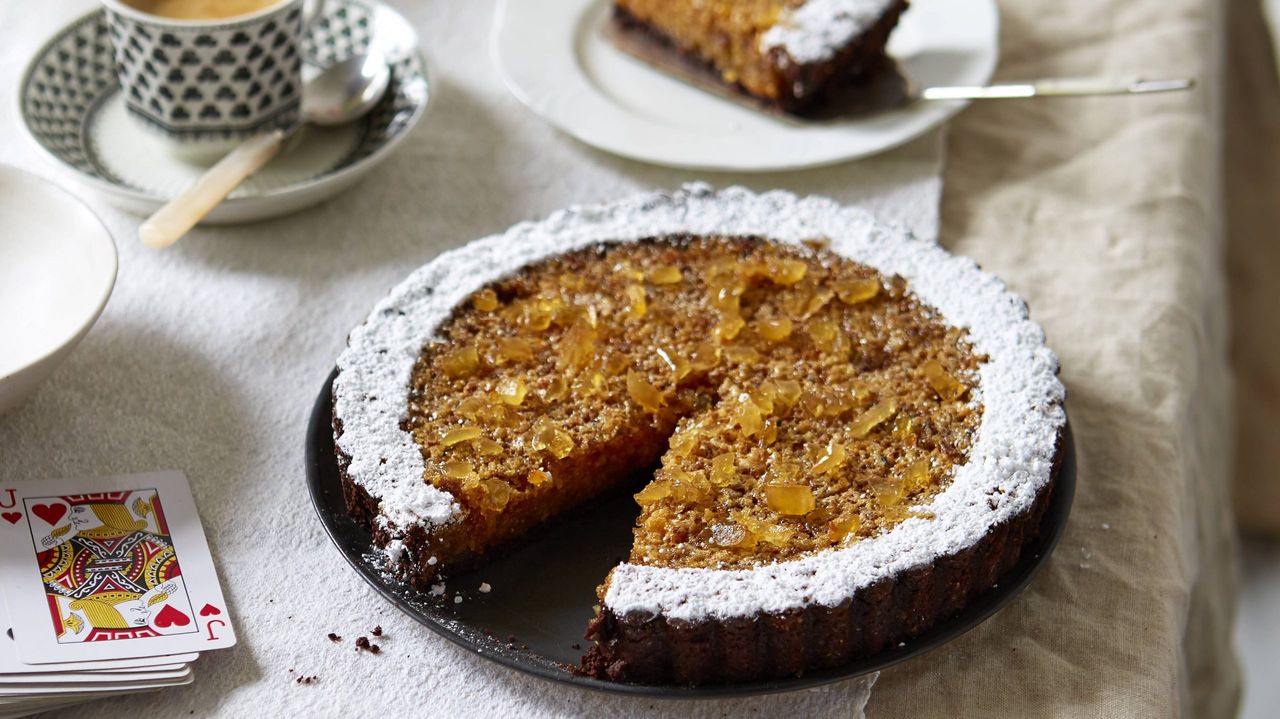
[209,356]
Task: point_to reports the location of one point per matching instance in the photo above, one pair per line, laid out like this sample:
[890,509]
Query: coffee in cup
[200,9]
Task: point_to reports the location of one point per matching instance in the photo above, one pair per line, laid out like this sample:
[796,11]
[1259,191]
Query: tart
[837,435]
[787,54]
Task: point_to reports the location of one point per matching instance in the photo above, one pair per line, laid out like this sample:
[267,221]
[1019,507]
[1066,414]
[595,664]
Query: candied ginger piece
[943,382]
[786,272]
[786,392]
[496,494]
[637,306]
[873,417]
[486,447]
[680,367]
[456,469]
[729,326]
[917,477]
[826,335]
[890,494]
[770,433]
[747,415]
[485,300]
[538,477]
[742,354]
[903,428]
[854,292]
[512,349]
[831,459]
[460,363]
[666,275]
[691,487]
[682,443]
[654,491]
[645,395]
[723,470]
[539,312]
[549,437]
[774,329]
[815,303]
[789,499]
[472,407]
[577,348]
[556,390]
[838,529]
[704,356]
[512,391]
[729,534]
[454,435]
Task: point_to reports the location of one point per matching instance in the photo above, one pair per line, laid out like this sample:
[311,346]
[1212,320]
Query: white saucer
[71,104]
[554,57]
[57,269]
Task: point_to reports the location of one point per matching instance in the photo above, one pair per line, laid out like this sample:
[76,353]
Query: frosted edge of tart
[817,29]
[1011,458]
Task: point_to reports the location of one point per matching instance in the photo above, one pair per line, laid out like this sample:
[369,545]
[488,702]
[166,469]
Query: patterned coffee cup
[204,86]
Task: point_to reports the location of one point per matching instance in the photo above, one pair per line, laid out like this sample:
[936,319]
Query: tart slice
[785,53]
[854,432]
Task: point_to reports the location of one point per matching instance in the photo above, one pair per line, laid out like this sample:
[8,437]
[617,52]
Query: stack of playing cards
[108,588]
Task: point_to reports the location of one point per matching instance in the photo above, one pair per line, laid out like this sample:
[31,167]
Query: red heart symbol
[12,517]
[169,617]
[50,513]
[209,610]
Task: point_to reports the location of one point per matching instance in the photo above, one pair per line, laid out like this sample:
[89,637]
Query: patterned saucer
[71,104]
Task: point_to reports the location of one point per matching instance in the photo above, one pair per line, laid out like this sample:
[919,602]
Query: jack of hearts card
[108,568]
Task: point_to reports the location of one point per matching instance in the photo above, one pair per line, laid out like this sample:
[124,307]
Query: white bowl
[57,268]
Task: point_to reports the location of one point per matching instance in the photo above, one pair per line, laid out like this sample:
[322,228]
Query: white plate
[70,103]
[57,268]
[553,56]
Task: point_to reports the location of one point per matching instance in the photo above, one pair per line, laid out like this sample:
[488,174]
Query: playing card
[11,664]
[64,679]
[108,568]
[39,690]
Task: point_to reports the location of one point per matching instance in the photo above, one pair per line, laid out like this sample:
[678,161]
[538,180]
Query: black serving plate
[542,593]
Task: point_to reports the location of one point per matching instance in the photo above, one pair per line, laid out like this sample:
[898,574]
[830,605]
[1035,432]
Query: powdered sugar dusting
[1010,460]
[818,29]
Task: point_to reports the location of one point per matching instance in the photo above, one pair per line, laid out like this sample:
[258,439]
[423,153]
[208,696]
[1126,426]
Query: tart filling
[825,418]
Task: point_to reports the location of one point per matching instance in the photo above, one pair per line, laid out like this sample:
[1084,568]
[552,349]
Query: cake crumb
[485,588]
[335,637]
[437,589]
[362,643]
[307,679]
[377,631]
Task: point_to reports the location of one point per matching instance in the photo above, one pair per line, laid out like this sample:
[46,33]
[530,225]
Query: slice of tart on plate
[786,54]
[837,435]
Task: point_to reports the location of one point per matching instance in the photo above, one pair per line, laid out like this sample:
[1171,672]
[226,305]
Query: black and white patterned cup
[204,86]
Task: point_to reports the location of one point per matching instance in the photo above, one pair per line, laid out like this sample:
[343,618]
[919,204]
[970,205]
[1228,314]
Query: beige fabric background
[1252,181]
[1103,214]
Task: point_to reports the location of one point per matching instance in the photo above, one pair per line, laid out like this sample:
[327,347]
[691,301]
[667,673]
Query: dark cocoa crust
[657,650]
[804,88]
